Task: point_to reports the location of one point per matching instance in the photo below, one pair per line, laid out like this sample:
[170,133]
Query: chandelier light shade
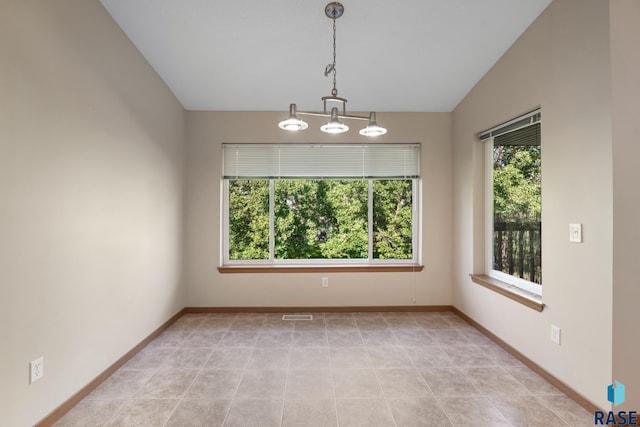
[333,11]
[372,128]
[293,123]
[334,125]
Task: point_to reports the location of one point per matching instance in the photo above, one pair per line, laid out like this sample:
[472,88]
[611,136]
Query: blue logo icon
[615,393]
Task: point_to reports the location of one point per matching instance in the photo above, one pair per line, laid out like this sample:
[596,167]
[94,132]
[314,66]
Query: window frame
[319,262]
[522,284]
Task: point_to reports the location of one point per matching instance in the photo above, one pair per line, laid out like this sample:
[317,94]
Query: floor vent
[297,317]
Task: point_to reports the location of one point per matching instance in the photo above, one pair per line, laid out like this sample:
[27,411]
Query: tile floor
[340,369]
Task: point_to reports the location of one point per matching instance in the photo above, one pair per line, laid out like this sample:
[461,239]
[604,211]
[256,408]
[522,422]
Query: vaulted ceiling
[402,55]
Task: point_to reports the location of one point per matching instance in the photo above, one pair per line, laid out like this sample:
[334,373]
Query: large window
[514,194]
[293,203]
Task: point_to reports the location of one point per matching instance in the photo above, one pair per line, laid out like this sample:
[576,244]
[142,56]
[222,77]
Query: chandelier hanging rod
[328,114]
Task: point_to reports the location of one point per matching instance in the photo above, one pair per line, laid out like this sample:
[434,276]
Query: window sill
[391,268]
[523,297]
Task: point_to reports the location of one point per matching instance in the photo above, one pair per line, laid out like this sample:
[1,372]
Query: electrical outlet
[325,282]
[555,334]
[36,370]
[413,300]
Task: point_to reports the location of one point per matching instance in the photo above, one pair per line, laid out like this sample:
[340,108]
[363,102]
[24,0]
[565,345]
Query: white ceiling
[402,55]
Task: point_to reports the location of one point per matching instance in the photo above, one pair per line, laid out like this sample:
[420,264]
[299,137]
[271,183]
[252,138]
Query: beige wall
[561,63]
[625,63]
[90,214]
[207,287]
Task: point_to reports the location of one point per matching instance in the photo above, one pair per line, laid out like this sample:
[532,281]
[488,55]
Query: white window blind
[524,130]
[267,161]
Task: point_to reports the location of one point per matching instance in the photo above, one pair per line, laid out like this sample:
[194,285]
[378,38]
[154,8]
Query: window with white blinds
[311,161]
[514,202]
[320,203]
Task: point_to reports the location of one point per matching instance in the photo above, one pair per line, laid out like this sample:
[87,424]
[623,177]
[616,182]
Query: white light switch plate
[575,233]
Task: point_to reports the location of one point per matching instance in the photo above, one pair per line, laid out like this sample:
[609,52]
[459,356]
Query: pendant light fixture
[333,10]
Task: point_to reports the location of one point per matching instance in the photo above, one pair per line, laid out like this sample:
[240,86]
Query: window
[295,203]
[514,194]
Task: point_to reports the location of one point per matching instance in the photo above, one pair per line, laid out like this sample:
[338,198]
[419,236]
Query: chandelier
[333,10]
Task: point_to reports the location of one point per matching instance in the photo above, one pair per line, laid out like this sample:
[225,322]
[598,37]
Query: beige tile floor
[340,369]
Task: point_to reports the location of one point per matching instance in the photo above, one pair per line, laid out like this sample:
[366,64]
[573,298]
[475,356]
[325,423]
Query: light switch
[575,233]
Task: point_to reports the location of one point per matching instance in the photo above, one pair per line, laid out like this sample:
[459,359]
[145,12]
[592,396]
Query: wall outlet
[36,370]
[413,300]
[325,282]
[555,334]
